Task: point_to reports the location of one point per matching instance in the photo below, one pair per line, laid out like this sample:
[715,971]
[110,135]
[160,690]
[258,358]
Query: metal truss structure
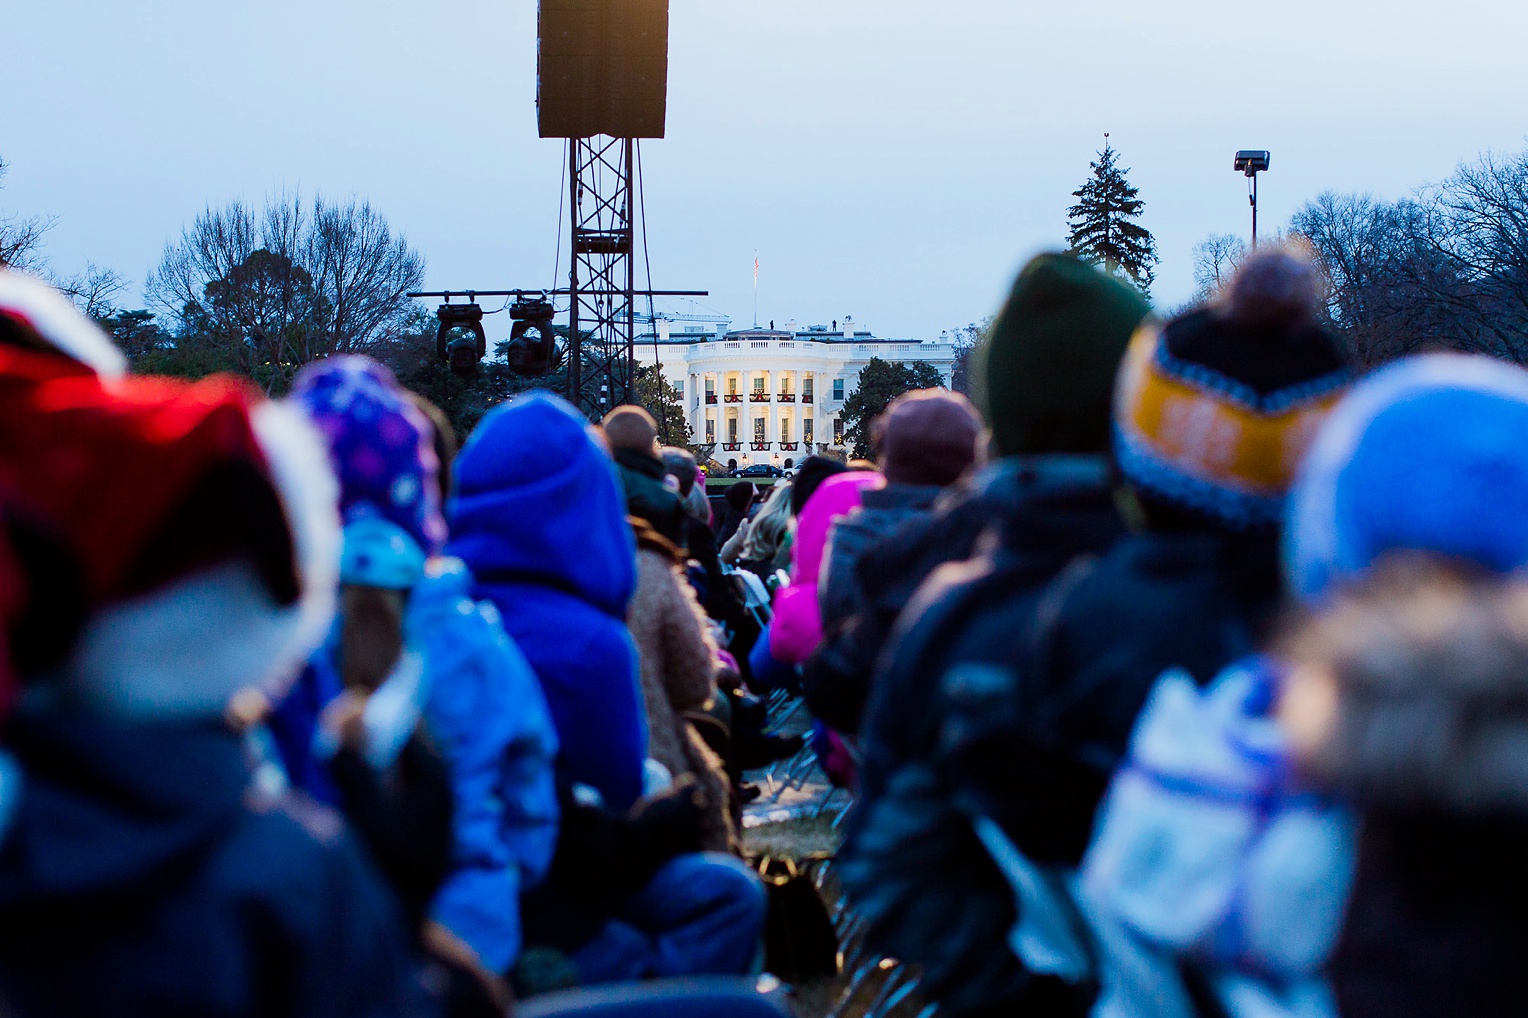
[602,278]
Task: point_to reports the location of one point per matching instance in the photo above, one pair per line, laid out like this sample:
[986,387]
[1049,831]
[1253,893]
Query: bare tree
[94,291]
[1446,269]
[1479,228]
[21,236]
[1216,259]
[294,283]
[363,272]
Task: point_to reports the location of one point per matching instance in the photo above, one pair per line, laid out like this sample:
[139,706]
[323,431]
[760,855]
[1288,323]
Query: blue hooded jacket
[539,518]
[490,721]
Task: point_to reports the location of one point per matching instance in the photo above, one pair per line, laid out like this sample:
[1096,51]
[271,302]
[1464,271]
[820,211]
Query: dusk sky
[892,160]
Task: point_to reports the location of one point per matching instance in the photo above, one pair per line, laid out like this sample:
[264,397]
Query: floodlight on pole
[1252,162]
[459,340]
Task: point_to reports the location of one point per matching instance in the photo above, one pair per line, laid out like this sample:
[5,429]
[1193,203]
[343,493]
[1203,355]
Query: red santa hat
[198,518]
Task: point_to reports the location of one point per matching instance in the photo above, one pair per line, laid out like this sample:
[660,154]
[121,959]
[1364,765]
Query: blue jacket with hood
[540,519]
[490,721]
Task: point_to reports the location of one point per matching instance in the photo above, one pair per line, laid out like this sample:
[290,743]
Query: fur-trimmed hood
[1413,694]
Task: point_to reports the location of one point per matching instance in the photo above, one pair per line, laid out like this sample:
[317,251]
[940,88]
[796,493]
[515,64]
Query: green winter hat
[1045,373]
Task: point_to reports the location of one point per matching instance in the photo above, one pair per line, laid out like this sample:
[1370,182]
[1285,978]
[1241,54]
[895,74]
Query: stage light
[532,347]
[459,341]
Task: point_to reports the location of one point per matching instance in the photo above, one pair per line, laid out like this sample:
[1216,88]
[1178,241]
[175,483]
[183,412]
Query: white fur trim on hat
[60,323]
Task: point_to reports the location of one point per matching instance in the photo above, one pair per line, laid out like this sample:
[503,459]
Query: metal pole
[575,343]
[1254,211]
[629,383]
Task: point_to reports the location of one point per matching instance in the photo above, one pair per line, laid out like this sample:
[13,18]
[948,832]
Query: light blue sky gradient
[893,160]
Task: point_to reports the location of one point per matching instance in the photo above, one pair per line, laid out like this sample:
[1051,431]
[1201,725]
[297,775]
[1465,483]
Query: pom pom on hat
[1214,411]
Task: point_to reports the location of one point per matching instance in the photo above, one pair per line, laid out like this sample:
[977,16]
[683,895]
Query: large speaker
[602,68]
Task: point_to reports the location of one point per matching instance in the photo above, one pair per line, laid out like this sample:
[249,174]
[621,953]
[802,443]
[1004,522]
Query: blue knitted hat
[1429,454]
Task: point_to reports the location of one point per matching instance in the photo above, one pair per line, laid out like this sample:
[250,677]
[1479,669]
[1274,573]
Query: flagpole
[756,289]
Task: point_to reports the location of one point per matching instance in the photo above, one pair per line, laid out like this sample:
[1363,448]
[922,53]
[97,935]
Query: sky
[888,159]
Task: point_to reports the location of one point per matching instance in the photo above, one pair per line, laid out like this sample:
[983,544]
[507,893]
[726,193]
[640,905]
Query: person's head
[186,533]
[1215,410]
[809,475]
[537,495]
[381,446]
[384,451]
[1425,456]
[770,526]
[1045,371]
[680,464]
[632,429]
[927,437]
[740,496]
[697,505]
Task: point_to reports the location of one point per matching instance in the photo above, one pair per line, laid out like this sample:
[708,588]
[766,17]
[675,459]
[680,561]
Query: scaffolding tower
[602,277]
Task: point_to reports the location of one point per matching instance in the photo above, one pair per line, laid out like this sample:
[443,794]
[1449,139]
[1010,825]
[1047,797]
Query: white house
[774,396]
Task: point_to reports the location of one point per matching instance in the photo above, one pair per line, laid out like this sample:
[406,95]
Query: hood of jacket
[537,501]
[111,806]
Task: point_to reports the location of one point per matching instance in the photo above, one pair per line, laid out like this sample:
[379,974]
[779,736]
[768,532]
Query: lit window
[806,430]
[758,383]
[710,430]
[785,430]
[758,430]
[838,431]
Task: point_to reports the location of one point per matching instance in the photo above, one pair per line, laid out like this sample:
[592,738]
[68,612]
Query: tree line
[1444,268]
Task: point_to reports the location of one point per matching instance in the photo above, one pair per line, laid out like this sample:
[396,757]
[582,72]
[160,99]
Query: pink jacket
[797,627]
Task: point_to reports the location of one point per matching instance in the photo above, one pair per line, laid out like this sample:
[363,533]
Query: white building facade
[774,396]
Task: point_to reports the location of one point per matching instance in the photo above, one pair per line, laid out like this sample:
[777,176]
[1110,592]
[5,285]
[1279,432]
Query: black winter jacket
[836,679]
[142,875]
[1012,696]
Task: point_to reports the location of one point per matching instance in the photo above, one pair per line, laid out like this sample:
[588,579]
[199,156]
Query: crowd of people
[1182,673]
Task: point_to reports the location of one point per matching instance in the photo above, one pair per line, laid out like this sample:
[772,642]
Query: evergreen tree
[660,399]
[880,382]
[1103,227]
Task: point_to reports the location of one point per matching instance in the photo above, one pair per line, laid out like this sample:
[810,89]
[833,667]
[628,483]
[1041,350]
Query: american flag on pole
[755,268]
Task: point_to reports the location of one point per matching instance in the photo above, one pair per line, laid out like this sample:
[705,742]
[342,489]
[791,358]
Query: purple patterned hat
[379,444]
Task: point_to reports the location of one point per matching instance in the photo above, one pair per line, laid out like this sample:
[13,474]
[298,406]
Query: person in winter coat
[146,871]
[719,599]
[677,663]
[540,520]
[810,474]
[925,441]
[538,516]
[442,657]
[759,543]
[1406,477]
[1047,495]
[740,498]
[1398,699]
[1404,697]
[633,437]
[796,630]
[914,864]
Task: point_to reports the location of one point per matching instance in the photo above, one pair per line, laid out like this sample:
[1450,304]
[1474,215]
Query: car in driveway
[759,470]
